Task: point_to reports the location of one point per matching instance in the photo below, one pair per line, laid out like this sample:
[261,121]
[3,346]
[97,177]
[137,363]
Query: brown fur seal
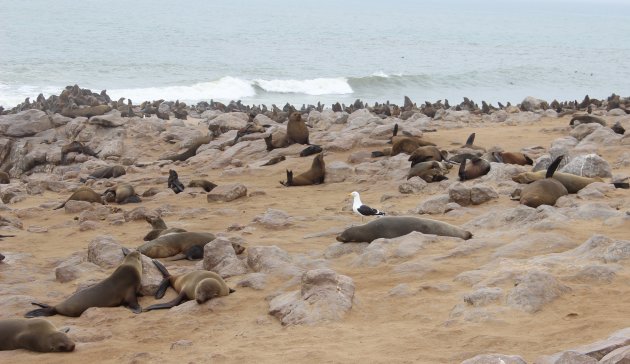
[571,182]
[190,152]
[545,191]
[177,245]
[428,153]
[173,182]
[313,176]
[4,178]
[395,137]
[390,227]
[76,147]
[123,193]
[512,158]
[1,257]
[430,171]
[83,193]
[476,168]
[470,143]
[280,141]
[206,185]
[586,119]
[159,228]
[108,172]
[120,288]
[407,145]
[297,132]
[34,335]
[200,285]
[275,160]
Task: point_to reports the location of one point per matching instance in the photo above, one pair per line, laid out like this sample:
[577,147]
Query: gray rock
[73,268]
[219,256]
[337,171]
[532,244]
[532,104]
[324,296]
[617,356]
[110,120]
[434,205]
[413,185]
[73,207]
[495,359]
[583,130]
[597,350]
[226,193]
[273,219]
[589,165]
[483,296]
[25,123]
[481,193]
[271,260]
[459,193]
[255,281]
[534,289]
[229,121]
[337,250]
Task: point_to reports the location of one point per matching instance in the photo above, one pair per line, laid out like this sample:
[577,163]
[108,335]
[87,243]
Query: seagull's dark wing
[367,210]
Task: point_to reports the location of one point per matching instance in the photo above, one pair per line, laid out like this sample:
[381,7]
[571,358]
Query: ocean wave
[315,87]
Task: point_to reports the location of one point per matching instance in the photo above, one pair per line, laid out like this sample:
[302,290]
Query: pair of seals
[159,228]
[34,335]
[206,185]
[427,153]
[390,227]
[120,288]
[430,171]
[476,168]
[313,176]
[83,193]
[123,193]
[512,158]
[544,191]
[200,285]
[173,182]
[188,245]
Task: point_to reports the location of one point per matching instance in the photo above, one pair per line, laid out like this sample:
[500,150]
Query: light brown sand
[379,329]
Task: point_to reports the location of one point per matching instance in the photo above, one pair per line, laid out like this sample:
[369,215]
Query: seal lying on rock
[512,158]
[83,193]
[476,168]
[34,335]
[200,285]
[76,147]
[188,245]
[430,171]
[390,227]
[586,119]
[120,288]
[571,182]
[428,153]
[190,152]
[313,176]
[545,191]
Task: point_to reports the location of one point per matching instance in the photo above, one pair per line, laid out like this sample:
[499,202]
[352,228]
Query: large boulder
[219,256]
[495,359]
[589,165]
[534,289]
[271,260]
[25,123]
[227,193]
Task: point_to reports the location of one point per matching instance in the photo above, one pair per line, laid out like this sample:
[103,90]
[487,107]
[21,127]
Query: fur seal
[407,145]
[430,171]
[159,228]
[395,137]
[33,334]
[120,288]
[190,152]
[390,227]
[173,182]
[177,245]
[310,150]
[313,176]
[1,257]
[427,153]
[279,142]
[297,132]
[470,143]
[544,191]
[275,160]
[586,119]
[4,178]
[206,185]
[200,285]
[108,172]
[478,167]
[571,182]
[76,147]
[123,193]
[512,158]
[83,193]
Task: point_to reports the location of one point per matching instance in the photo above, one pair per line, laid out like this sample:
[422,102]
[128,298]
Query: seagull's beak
[349,194]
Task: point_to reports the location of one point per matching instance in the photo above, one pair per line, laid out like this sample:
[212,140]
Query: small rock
[227,193]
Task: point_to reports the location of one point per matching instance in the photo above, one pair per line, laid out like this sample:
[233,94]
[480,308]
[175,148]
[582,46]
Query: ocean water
[280,51]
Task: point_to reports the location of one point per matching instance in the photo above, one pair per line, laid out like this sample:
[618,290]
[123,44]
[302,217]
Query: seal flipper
[377,154]
[471,139]
[195,252]
[176,301]
[132,302]
[553,166]
[528,160]
[624,185]
[232,291]
[45,310]
[60,206]
[462,169]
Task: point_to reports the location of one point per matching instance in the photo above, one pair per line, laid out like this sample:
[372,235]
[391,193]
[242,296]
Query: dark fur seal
[1,257]
[430,171]
[206,185]
[427,153]
[190,152]
[586,119]
[200,285]
[390,227]
[108,172]
[512,158]
[122,194]
[4,178]
[159,228]
[76,147]
[120,288]
[313,176]
[173,182]
[275,160]
[33,334]
[545,191]
[310,150]
[177,245]
[297,132]
[476,168]
[83,193]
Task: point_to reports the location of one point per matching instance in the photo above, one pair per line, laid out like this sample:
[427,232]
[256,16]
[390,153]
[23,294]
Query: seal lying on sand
[173,182]
[200,285]
[389,227]
[120,288]
[188,245]
[275,160]
[571,182]
[83,193]
[108,172]
[123,193]
[34,335]
[310,150]
[313,176]
[545,191]
[205,184]
[159,228]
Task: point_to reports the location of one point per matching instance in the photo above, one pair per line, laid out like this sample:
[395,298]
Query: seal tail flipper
[377,153]
[176,301]
[162,288]
[553,166]
[395,130]
[232,291]
[528,160]
[45,310]
[471,139]
[175,257]
[60,206]
[161,268]
[624,185]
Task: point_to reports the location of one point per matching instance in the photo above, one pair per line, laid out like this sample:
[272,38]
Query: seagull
[363,210]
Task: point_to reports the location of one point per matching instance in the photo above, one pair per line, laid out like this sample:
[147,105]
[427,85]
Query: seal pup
[544,191]
[205,184]
[108,172]
[310,150]
[512,158]
[159,228]
[200,285]
[275,160]
[390,227]
[173,182]
[476,168]
[120,288]
[123,193]
[586,119]
[33,334]
[177,246]
[83,193]
[313,176]
[297,132]
[430,171]
[428,153]
[363,210]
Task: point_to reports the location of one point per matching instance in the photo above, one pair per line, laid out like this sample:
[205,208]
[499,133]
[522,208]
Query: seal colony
[312,211]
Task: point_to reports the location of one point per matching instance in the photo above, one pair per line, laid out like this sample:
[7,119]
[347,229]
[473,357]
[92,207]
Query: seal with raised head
[545,191]
[185,245]
[121,194]
[159,228]
[199,285]
[33,334]
[83,193]
[586,119]
[417,140]
[297,131]
[427,153]
[390,227]
[313,176]
[120,288]
[512,158]
[205,184]
[173,182]
[430,171]
[476,168]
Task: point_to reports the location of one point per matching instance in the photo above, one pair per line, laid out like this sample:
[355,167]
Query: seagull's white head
[354,194]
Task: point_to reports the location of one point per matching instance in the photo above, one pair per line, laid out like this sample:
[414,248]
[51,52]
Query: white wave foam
[380,74]
[317,86]
[11,96]
[225,89]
